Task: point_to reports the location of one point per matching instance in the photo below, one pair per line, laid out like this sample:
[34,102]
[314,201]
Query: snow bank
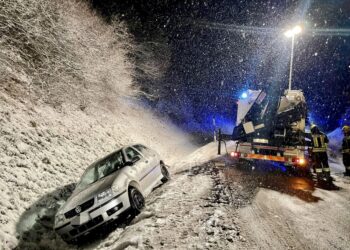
[204,154]
[334,150]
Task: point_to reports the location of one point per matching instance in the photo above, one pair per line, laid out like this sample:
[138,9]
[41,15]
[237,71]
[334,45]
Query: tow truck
[270,127]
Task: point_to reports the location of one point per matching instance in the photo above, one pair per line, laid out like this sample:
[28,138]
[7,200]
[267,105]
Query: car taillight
[235,154]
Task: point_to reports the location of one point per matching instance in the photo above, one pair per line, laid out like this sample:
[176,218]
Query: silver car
[109,187]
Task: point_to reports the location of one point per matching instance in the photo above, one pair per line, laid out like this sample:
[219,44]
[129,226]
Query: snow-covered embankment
[43,150]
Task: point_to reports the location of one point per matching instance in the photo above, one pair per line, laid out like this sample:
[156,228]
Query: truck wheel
[137,202]
[165,173]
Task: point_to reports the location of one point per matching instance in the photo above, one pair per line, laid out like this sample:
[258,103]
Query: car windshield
[101,169]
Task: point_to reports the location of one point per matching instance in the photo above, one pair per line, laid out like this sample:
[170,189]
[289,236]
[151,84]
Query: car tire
[165,173]
[137,201]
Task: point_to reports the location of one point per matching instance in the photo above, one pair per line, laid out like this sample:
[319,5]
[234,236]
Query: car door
[146,152]
[140,167]
[153,159]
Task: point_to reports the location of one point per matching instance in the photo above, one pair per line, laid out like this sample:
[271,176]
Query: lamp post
[291,33]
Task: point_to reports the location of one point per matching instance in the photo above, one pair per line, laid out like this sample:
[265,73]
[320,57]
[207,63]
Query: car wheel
[165,173]
[137,201]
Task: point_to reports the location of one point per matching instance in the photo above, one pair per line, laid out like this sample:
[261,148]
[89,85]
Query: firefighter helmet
[314,129]
[346,129]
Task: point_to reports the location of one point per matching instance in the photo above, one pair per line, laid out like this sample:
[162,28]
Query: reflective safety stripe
[319,141]
[318,170]
[345,151]
[315,141]
[326,170]
[316,150]
[348,168]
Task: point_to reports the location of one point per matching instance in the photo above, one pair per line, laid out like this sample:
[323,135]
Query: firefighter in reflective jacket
[319,153]
[346,150]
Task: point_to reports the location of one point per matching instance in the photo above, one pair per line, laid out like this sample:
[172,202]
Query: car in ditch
[110,187]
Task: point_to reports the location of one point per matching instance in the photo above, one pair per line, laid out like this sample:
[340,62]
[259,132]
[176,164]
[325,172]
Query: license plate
[81,219]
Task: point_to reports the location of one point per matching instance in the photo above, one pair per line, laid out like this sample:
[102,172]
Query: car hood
[80,196]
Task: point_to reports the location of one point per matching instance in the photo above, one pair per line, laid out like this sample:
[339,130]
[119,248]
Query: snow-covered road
[289,212]
[219,205]
[281,221]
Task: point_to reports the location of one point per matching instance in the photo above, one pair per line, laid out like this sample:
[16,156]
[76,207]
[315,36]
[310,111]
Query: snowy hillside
[43,150]
[67,99]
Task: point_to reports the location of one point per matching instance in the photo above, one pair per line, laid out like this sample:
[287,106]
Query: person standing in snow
[346,150]
[319,154]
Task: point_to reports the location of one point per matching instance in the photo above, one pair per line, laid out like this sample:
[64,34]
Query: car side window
[114,163]
[118,160]
[132,153]
[141,148]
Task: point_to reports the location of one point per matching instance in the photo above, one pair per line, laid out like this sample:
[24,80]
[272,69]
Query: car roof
[110,154]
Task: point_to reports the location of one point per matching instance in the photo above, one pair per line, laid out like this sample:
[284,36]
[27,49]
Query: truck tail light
[235,154]
[300,161]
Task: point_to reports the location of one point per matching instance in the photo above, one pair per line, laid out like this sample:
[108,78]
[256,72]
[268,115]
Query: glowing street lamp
[292,33]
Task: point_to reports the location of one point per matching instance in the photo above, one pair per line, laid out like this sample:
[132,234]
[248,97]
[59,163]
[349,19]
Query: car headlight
[59,218]
[116,189]
[104,194]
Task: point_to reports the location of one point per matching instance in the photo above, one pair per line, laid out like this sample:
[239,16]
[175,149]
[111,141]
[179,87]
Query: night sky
[217,49]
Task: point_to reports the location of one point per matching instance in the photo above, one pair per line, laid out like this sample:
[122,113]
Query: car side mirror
[129,163]
[136,158]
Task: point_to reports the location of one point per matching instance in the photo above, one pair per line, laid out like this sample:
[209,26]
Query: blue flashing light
[279,166]
[244,95]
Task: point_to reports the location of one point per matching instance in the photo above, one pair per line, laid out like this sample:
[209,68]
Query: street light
[291,33]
